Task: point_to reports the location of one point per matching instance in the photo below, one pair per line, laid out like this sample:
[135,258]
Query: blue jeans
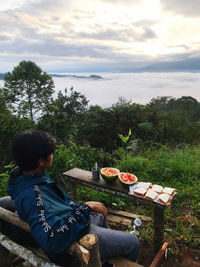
[113,242]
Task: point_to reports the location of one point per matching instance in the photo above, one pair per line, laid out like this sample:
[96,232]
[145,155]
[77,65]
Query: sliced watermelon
[127,179]
[109,174]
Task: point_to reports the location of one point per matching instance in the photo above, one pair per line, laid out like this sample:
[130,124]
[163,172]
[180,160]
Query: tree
[3,105]
[28,89]
[9,126]
[63,116]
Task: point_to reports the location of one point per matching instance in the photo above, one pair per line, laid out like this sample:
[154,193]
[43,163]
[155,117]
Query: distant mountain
[192,65]
[94,77]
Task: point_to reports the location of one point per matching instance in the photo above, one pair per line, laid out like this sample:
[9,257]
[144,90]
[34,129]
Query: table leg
[73,187]
[158,229]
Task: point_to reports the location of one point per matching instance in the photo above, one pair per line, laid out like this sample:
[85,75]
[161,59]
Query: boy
[55,220]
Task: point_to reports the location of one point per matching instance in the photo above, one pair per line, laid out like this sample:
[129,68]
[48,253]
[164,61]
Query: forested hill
[93,77]
[2,76]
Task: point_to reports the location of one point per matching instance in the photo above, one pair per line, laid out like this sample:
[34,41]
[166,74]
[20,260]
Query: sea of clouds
[138,87]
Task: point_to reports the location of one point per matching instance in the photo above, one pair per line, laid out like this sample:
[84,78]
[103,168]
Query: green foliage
[3,104]
[63,117]
[147,126]
[28,88]
[137,165]
[125,139]
[9,126]
[99,128]
[109,201]
[4,178]
[73,156]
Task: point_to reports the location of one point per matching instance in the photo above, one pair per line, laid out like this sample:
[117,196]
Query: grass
[174,168]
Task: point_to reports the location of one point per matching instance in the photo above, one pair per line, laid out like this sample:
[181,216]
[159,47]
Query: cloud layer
[182,7]
[101,35]
[138,88]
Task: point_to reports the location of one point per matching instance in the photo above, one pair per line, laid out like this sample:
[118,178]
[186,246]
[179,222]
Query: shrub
[137,165]
[66,158]
[4,178]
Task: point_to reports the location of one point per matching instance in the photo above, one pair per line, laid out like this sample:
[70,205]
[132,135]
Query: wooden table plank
[84,177]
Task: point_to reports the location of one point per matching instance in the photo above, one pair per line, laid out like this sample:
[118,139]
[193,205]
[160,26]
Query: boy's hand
[98,207]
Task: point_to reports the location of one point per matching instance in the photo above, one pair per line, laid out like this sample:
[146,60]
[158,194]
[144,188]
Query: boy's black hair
[30,146]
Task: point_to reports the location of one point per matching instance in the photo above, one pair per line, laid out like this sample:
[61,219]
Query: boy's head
[31,146]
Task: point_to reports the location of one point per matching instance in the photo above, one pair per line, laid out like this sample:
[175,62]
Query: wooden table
[78,176]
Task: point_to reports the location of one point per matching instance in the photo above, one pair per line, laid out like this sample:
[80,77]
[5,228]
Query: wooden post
[158,229]
[158,258]
[73,187]
[80,252]
[90,242]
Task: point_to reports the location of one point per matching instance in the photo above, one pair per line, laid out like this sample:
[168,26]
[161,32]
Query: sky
[98,35]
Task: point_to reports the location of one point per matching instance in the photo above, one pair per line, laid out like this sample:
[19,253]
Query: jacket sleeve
[54,232]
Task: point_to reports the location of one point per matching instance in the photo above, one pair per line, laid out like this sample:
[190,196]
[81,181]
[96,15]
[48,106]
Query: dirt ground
[187,257]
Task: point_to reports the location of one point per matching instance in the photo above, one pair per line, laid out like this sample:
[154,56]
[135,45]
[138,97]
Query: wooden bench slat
[118,219]
[129,215]
[24,253]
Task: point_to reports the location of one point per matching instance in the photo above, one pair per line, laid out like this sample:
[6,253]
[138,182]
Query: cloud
[123,2]
[185,47]
[182,7]
[36,8]
[125,34]
[148,34]
[29,35]
[54,48]
[4,38]
[145,22]
[117,33]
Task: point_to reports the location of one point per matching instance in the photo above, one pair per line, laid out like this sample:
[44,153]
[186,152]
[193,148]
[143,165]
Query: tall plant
[125,140]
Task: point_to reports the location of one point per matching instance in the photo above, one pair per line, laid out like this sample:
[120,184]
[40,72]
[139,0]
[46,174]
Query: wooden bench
[86,250]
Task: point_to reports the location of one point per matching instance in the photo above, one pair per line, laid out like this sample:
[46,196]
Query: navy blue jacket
[55,220]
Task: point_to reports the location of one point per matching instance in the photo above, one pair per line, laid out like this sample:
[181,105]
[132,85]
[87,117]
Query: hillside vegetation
[163,147]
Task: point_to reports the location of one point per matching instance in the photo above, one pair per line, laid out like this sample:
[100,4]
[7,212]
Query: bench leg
[73,188]
[158,229]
